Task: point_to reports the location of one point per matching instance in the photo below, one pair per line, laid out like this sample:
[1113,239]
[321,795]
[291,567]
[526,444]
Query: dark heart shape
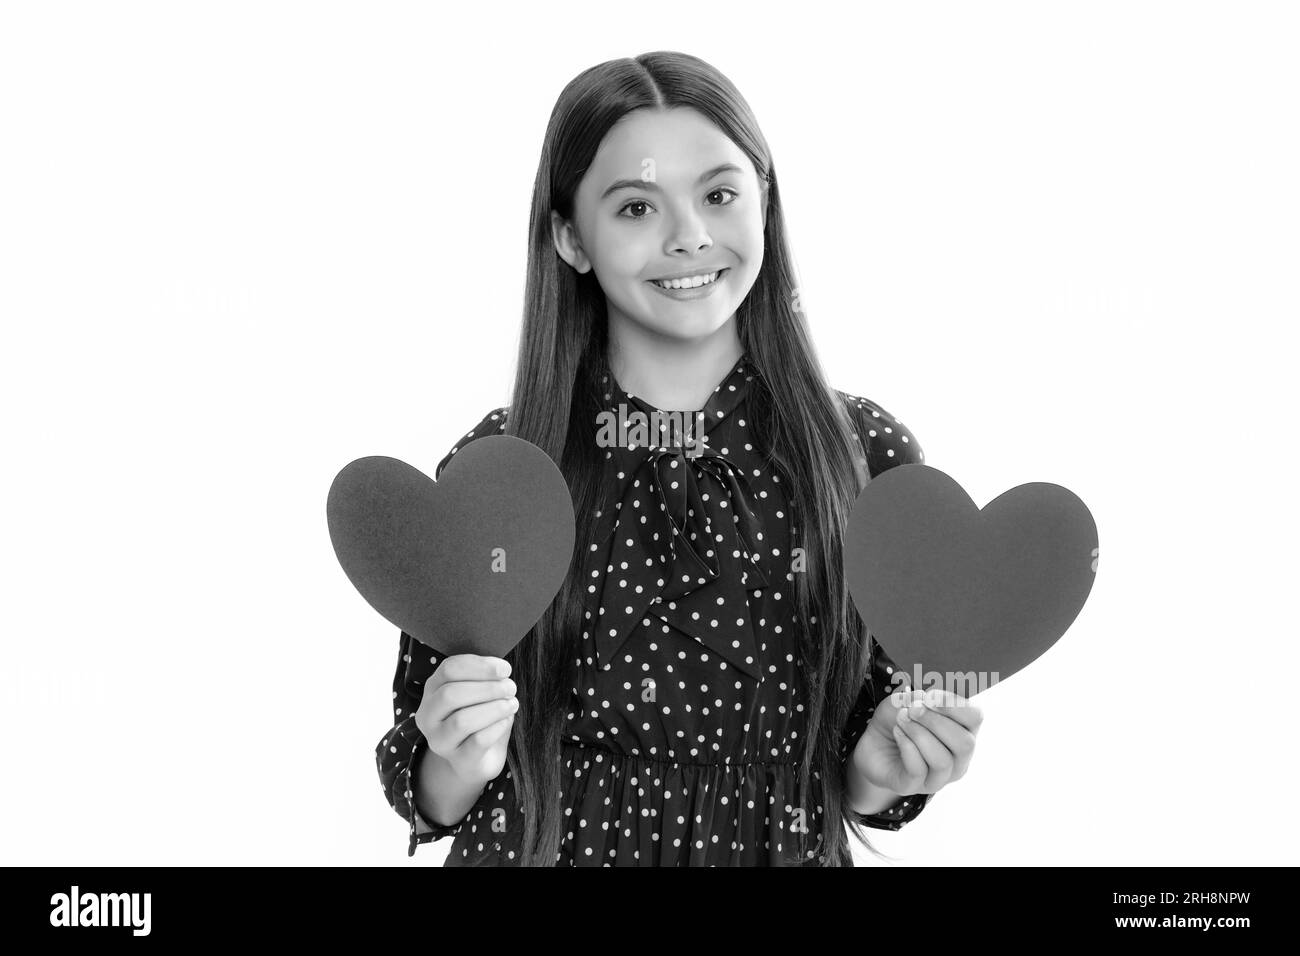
[426,555]
[949,590]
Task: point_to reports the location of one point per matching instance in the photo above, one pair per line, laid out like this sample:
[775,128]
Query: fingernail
[916,710]
[904,715]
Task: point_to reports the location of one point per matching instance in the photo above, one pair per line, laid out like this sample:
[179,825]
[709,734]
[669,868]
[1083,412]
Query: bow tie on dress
[687,546]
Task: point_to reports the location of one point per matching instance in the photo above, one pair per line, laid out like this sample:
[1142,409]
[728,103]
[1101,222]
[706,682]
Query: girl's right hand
[466,714]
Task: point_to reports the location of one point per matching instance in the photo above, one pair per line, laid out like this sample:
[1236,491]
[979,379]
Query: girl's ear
[567,244]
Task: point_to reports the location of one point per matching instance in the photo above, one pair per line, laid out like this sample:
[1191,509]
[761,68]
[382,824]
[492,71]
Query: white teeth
[690,282]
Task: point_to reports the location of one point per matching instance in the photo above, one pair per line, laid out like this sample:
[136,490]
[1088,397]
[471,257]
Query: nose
[688,235]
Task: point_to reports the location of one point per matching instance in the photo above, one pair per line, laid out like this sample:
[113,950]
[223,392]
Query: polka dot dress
[687,723]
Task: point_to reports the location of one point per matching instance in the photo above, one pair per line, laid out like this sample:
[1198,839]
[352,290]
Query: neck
[671,374]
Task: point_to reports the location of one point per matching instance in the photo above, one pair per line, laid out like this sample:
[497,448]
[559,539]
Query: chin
[688,328]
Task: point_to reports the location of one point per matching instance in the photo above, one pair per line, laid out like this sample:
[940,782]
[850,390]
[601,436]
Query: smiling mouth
[690,282]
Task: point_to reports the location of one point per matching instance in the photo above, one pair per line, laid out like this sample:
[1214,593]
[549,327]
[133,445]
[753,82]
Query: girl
[700,692]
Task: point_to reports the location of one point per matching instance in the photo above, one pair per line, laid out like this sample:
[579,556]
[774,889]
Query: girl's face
[667,195]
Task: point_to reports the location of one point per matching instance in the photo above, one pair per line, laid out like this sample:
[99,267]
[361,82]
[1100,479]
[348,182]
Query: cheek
[747,244]
[626,253]
[743,234]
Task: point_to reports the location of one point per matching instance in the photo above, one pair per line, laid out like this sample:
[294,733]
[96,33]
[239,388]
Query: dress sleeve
[879,685]
[398,754]
[886,443]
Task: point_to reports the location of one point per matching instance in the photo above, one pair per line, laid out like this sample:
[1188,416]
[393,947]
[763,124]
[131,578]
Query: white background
[242,244]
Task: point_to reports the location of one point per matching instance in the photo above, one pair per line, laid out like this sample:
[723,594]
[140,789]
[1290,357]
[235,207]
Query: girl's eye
[643,205]
[634,202]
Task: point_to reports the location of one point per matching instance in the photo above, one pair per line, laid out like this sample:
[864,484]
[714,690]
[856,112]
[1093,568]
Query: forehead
[681,142]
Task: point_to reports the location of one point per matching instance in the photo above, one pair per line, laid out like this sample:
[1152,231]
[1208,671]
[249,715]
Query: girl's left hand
[921,748]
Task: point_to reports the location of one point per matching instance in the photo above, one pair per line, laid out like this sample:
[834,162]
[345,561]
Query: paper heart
[952,591]
[466,565]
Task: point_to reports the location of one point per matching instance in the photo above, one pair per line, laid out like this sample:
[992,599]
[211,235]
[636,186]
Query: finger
[447,699]
[959,742]
[894,700]
[471,667]
[467,721]
[958,708]
[900,697]
[938,758]
[915,768]
[490,735]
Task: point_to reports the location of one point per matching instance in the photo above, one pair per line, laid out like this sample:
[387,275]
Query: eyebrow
[642,184]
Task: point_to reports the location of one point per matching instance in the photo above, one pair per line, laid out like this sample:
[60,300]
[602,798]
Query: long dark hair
[798,416]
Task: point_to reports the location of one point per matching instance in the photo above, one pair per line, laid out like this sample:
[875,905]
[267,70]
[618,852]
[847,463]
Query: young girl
[700,692]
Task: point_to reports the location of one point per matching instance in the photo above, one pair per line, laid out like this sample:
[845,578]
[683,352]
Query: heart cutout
[961,596]
[466,565]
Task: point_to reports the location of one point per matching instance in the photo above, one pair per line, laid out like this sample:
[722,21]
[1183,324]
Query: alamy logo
[683,430]
[101,909]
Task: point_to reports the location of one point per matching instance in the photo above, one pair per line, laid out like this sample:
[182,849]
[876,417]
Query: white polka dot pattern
[686,727]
